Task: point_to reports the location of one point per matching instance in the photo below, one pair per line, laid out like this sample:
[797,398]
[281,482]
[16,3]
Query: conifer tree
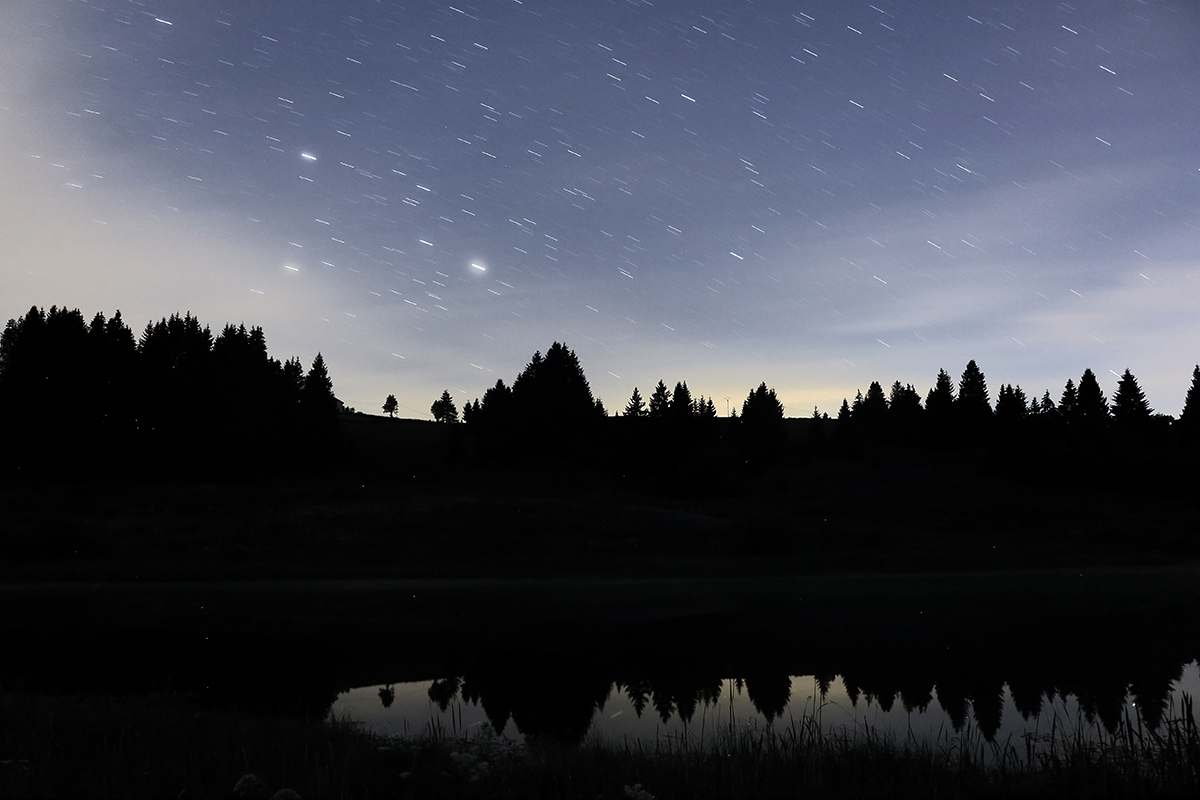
[444,409]
[1092,408]
[1068,403]
[660,401]
[1129,403]
[681,402]
[636,407]
[973,401]
[939,403]
[1189,417]
[318,395]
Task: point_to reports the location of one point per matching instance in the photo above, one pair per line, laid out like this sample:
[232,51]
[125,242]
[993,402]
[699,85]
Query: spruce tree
[1068,403]
[1189,417]
[636,407]
[681,402]
[1129,403]
[1092,406]
[443,409]
[939,403]
[660,401]
[973,402]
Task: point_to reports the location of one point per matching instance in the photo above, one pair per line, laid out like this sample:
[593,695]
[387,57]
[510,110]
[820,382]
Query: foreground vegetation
[166,745]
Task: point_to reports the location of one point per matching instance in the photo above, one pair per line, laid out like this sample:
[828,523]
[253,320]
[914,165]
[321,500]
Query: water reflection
[552,706]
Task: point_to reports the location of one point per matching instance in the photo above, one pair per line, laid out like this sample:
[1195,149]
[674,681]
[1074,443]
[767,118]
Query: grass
[167,746]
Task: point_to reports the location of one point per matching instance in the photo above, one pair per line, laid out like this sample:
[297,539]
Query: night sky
[811,194]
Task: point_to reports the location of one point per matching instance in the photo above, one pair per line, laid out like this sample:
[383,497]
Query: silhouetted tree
[1189,417]
[1011,407]
[552,397]
[443,409]
[1092,411]
[761,425]
[1068,402]
[939,403]
[904,410]
[660,401]
[636,406]
[496,411]
[318,395]
[390,406]
[973,407]
[681,402]
[1129,406]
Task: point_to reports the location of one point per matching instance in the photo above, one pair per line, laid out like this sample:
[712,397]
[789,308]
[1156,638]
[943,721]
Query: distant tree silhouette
[939,403]
[317,396]
[1068,402]
[636,407]
[660,402]
[1129,406]
[973,407]
[761,425]
[443,409]
[681,407]
[871,414]
[179,397]
[1092,409]
[904,411]
[390,406]
[1189,417]
[552,399]
[1011,406]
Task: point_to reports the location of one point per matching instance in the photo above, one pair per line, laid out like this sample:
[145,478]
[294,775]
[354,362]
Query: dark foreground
[167,746]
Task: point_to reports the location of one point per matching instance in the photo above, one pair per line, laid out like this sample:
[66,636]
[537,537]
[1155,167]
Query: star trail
[815,195]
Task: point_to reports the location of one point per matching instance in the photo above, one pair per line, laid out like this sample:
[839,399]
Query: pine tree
[1068,403]
[318,395]
[973,402]
[1092,406]
[636,407]
[1129,403]
[660,401]
[681,402]
[1189,417]
[443,409]
[939,403]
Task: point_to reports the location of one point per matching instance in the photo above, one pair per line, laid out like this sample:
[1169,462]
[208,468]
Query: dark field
[416,500]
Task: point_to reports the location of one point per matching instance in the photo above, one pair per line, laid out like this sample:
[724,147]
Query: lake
[703,712]
[569,658]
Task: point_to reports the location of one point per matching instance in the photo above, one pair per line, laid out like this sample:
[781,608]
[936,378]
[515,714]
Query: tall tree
[973,401]
[390,406]
[443,409]
[1129,403]
[939,403]
[660,401]
[1092,406]
[552,393]
[1189,417]
[636,407]
[318,397]
[1068,401]
[681,402]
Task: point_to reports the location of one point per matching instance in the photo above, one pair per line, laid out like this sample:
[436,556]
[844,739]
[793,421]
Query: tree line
[91,397]
[549,407]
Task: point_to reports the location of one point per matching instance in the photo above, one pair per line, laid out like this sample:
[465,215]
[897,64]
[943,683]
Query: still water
[698,711]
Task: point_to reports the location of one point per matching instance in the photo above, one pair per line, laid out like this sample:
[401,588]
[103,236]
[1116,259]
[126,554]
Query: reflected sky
[816,195]
[413,712]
